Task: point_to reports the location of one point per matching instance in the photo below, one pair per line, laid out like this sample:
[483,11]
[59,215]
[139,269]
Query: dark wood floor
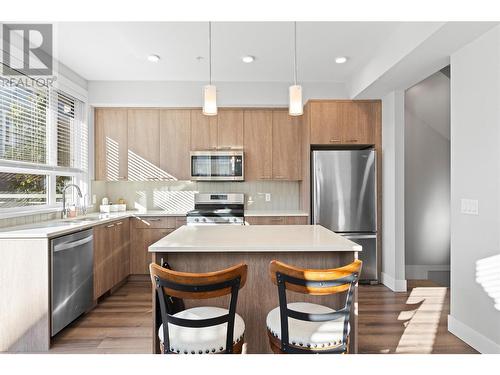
[411,322]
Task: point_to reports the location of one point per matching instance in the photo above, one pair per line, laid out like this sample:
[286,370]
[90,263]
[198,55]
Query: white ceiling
[118,51]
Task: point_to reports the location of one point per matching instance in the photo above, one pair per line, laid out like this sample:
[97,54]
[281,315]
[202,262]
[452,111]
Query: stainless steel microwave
[217,165]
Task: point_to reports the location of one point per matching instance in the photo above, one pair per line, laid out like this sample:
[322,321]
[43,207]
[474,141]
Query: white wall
[189,94]
[393,272]
[475,174]
[427,178]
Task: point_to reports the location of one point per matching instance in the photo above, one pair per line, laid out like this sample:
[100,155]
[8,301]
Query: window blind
[23,124]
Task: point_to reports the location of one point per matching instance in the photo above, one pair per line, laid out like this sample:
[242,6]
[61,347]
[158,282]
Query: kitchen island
[206,248]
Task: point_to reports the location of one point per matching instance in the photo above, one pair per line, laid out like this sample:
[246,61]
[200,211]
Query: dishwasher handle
[73,244]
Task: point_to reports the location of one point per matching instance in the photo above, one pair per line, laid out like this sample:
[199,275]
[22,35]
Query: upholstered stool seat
[206,340]
[314,335]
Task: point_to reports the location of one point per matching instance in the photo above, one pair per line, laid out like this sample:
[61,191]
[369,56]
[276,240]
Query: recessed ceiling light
[247,59]
[340,59]
[153,58]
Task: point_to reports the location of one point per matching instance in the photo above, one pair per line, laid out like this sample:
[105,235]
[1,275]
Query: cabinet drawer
[265,220]
[276,220]
[151,222]
[296,220]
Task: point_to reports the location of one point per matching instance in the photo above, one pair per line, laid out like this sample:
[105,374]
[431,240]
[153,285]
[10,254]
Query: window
[43,146]
[20,190]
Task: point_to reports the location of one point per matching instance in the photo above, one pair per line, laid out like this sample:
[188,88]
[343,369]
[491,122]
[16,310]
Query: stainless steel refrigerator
[344,200]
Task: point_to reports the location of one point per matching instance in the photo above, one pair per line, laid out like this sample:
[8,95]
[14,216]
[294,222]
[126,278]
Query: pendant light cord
[295,53]
[210,51]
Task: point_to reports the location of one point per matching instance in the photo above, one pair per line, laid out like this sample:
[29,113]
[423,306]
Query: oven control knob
[196,220]
[235,220]
[204,220]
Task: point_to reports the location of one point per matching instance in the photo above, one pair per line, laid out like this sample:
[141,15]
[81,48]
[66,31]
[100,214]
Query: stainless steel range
[217,208]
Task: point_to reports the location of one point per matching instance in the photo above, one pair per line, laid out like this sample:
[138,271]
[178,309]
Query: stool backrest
[169,283]
[317,282]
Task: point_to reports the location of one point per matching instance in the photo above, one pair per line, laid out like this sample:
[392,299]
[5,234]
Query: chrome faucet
[64,213]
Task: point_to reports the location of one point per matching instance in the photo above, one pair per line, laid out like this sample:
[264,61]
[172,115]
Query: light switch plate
[94,199]
[268,197]
[469,206]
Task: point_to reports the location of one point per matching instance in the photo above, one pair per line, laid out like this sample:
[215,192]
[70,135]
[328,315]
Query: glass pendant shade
[295,107]
[209,100]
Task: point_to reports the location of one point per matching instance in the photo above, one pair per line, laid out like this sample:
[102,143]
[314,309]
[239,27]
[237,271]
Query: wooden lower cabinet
[121,246]
[144,232]
[111,255]
[103,255]
[276,220]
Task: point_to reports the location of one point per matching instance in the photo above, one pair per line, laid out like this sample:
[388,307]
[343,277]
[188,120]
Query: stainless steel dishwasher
[72,277]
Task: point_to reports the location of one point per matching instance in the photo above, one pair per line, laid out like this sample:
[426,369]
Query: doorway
[427,180]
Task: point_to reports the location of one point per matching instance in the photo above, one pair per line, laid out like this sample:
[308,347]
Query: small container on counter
[105,208]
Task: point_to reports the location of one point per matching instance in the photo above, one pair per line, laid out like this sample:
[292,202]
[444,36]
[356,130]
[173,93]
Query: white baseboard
[392,283]
[475,339]
[421,271]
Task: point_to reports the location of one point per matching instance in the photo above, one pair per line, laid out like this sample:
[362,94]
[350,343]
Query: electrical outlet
[268,197]
[94,199]
[469,206]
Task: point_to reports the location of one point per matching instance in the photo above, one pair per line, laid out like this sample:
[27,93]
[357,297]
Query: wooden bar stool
[200,330]
[307,327]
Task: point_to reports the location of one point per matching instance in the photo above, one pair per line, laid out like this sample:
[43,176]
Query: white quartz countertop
[56,228]
[253,238]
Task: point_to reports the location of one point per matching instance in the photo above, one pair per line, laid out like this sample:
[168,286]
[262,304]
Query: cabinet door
[326,118]
[203,131]
[286,146]
[230,129]
[144,145]
[140,258]
[121,258]
[175,144]
[103,259]
[359,122]
[258,143]
[110,144]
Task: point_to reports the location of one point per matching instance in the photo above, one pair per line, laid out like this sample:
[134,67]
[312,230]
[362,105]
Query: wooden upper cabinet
[365,114]
[203,131]
[258,143]
[144,145]
[286,146]
[110,144]
[343,122]
[230,128]
[175,144]
[325,123]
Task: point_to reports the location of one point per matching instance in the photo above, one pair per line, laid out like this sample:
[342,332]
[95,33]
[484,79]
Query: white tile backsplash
[178,196]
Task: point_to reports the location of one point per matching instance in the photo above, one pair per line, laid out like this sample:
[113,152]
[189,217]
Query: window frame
[50,169]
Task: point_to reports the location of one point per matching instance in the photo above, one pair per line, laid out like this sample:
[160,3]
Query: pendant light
[295,107]
[210,91]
